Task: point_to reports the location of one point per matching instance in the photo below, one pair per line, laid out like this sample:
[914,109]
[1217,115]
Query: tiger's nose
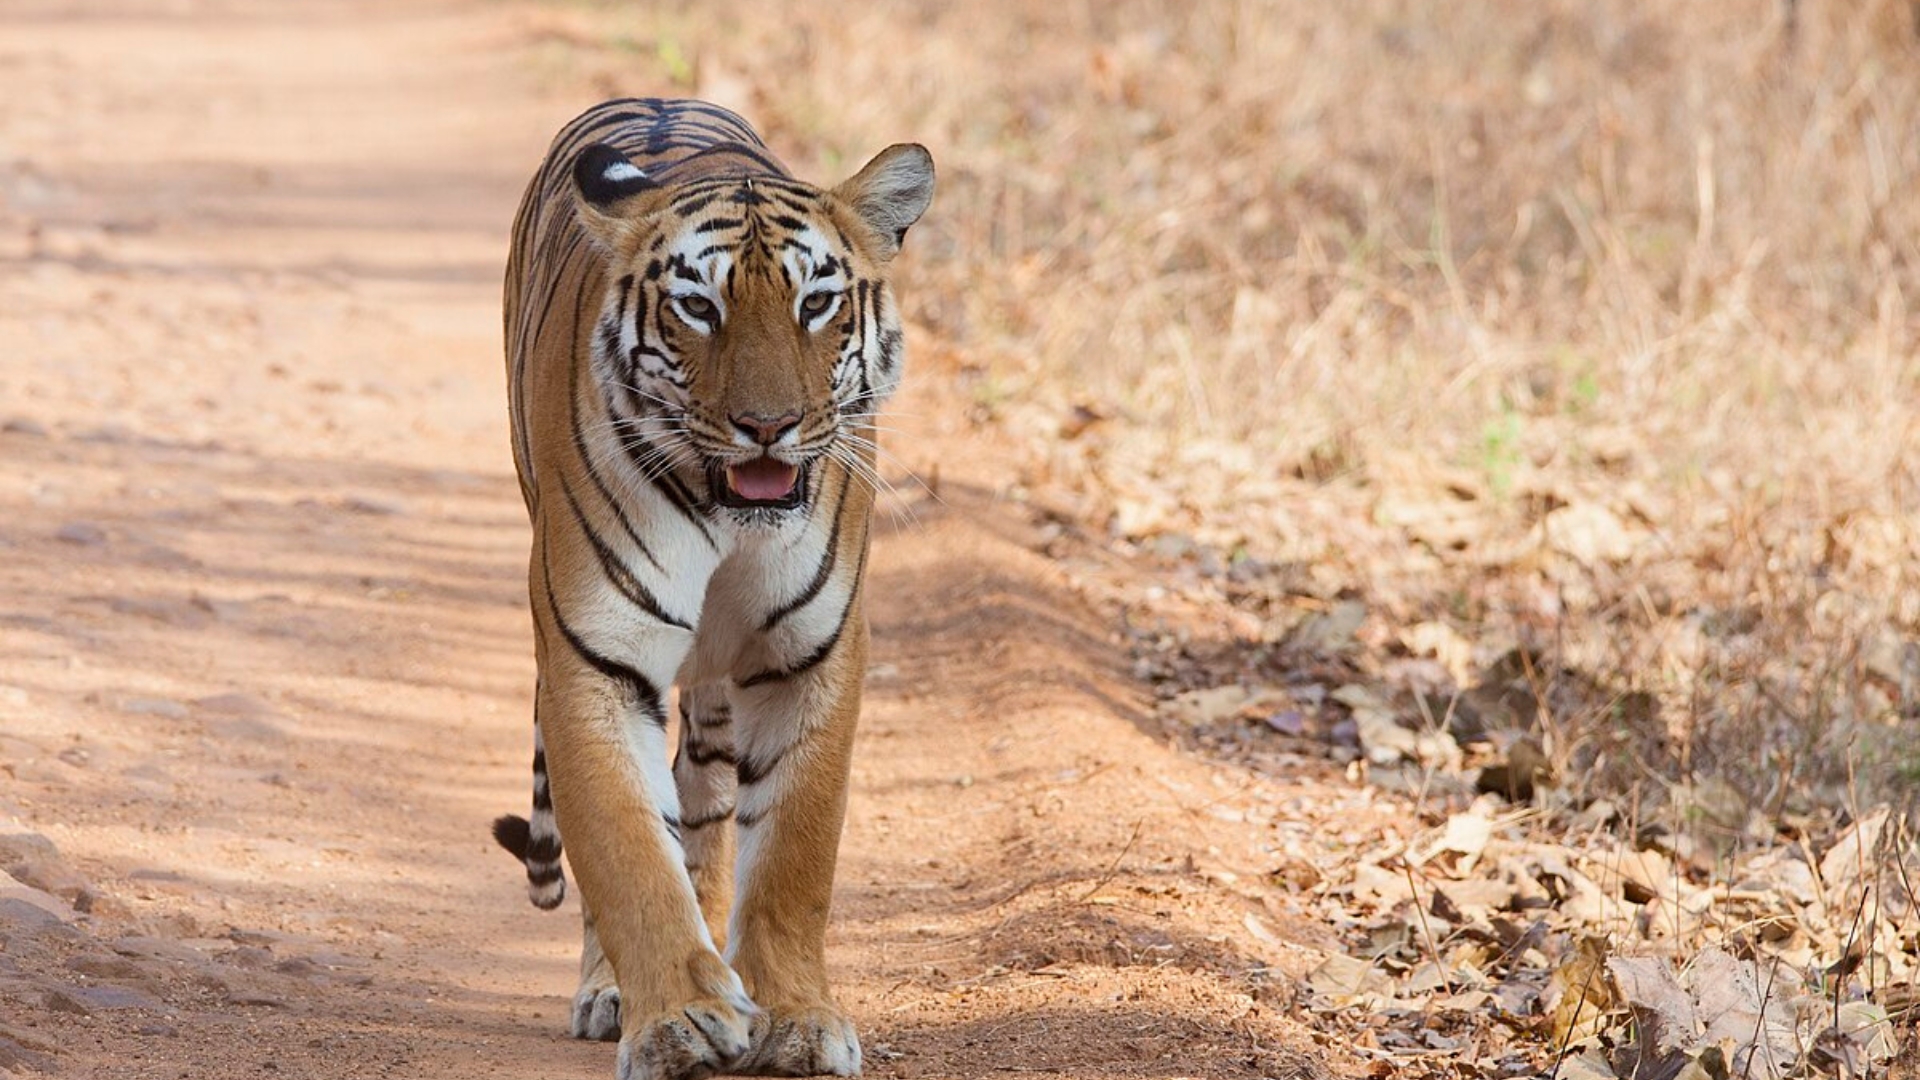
[766,430]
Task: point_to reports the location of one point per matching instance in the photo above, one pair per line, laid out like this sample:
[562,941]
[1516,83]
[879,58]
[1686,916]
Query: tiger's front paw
[816,1041]
[699,1038]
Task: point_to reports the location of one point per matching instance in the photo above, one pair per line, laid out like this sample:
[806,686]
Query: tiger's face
[748,330]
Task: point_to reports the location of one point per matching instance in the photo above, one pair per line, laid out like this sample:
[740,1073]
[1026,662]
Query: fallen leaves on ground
[1617,961]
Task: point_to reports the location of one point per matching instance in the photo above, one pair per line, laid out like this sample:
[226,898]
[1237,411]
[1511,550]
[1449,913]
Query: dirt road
[265,669]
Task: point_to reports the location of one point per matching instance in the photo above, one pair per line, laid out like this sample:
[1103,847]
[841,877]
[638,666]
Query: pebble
[53,876]
[365,504]
[108,434]
[248,956]
[83,533]
[33,861]
[153,948]
[105,967]
[240,717]
[13,1054]
[86,1000]
[29,908]
[234,705]
[154,706]
[19,846]
[298,966]
[170,611]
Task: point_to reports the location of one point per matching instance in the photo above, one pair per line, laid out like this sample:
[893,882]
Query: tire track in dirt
[264,664]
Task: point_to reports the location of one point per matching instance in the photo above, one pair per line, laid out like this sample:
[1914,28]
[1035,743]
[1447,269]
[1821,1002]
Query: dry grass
[1380,288]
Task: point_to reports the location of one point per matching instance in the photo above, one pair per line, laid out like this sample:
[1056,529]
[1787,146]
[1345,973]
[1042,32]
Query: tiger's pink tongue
[762,479]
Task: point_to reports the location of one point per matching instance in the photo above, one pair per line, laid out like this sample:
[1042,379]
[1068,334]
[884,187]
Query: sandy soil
[264,664]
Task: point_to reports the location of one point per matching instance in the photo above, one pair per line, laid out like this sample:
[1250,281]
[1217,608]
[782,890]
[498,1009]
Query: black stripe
[544,875]
[714,717]
[820,654]
[750,772]
[703,821]
[650,324]
[889,338]
[542,793]
[861,314]
[825,572]
[529,334]
[638,686]
[707,754]
[689,205]
[617,572]
[682,499]
[593,474]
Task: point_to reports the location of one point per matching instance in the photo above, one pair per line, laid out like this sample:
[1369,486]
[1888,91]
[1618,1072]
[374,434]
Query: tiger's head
[748,330]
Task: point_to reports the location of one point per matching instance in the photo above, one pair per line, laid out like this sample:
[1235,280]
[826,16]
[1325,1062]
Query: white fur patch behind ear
[891,192]
[606,189]
[605,176]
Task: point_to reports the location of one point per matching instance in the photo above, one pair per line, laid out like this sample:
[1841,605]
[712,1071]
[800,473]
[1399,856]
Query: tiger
[697,347]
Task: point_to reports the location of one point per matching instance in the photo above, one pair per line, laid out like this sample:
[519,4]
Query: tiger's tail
[535,839]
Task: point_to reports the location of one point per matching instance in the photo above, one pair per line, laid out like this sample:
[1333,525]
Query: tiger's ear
[610,193]
[891,193]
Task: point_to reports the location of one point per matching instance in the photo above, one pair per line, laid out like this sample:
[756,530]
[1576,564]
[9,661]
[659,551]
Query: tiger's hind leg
[596,1005]
[703,771]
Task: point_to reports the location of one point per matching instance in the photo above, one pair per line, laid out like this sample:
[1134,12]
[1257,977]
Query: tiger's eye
[816,304]
[699,307]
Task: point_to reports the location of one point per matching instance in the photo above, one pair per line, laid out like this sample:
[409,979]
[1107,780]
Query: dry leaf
[1478,898]
[1466,835]
[1386,742]
[1755,1014]
[1588,1065]
[1443,526]
[1464,1001]
[1590,534]
[1347,980]
[1868,1027]
[1207,706]
[1216,704]
[1329,631]
[1443,643]
[1426,979]
[1259,930]
[1665,1024]
[1851,858]
[1579,996]
[1384,888]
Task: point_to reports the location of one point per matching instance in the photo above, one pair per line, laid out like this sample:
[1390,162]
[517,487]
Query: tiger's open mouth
[763,483]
